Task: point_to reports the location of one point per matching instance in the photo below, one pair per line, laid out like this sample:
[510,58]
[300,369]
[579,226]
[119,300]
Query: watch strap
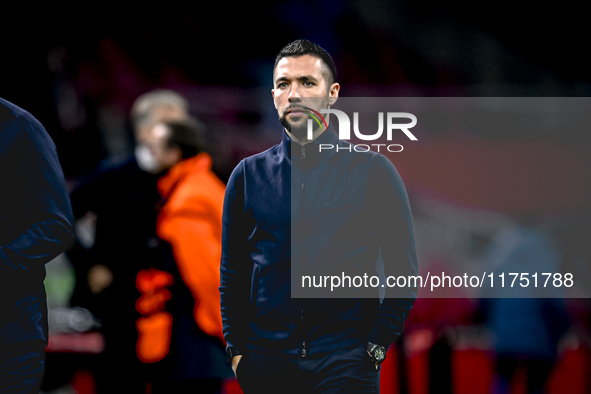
[231,352]
[371,349]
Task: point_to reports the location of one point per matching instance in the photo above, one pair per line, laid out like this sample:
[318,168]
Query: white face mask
[146,160]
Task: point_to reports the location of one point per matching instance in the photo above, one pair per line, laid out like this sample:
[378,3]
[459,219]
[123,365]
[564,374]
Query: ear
[273,94]
[172,156]
[177,154]
[333,93]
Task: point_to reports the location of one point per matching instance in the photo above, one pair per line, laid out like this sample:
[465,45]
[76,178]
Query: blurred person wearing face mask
[151,108]
[190,221]
[122,201]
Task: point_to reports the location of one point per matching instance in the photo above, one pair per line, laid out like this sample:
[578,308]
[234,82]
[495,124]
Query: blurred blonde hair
[144,107]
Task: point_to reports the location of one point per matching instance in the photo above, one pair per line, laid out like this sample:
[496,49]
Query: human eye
[309,84]
[281,85]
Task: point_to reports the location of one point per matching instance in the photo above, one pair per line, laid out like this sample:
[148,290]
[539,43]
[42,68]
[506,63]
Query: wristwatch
[231,352]
[377,353]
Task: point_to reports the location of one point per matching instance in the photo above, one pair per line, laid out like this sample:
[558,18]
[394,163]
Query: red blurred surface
[472,369]
[512,177]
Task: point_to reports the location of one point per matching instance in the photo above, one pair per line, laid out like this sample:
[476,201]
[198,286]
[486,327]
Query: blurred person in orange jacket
[190,221]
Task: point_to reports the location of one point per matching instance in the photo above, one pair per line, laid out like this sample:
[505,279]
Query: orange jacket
[191,221]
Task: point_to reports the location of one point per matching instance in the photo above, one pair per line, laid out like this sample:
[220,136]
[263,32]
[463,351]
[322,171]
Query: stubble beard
[300,132]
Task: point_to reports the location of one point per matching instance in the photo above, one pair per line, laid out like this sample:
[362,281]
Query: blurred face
[162,155]
[161,113]
[297,79]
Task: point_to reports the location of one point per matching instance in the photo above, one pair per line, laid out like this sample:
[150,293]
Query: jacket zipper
[303,213]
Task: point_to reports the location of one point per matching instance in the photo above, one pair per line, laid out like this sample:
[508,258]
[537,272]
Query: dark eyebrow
[301,78]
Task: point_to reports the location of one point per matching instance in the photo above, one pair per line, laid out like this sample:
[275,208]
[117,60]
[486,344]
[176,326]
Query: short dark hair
[188,135]
[307,47]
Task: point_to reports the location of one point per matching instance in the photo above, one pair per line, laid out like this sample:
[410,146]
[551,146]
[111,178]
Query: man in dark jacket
[293,211]
[35,226]
[124,198]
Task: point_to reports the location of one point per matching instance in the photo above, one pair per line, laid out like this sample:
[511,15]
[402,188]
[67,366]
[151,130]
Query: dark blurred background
[79,69]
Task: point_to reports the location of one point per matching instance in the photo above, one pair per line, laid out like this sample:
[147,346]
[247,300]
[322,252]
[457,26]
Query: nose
[294,94]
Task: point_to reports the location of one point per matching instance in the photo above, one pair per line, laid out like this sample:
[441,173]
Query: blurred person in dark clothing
[123,199]
[526,330]
[190,221]
[35,226]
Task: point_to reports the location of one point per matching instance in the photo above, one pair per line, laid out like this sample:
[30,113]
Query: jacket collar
[196,164]
[312,149]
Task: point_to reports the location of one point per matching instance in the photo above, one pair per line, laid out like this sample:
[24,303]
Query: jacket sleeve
[236,267]
[391,212]
[194,236]
[42,225]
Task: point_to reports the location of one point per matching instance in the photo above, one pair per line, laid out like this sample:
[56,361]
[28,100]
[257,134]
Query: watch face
[380,354]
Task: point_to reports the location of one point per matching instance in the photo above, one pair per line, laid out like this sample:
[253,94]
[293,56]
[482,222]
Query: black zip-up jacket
[35,222]
[293,211]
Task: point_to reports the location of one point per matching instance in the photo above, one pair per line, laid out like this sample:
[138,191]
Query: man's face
[156,140]
[301,82]
[160,113]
